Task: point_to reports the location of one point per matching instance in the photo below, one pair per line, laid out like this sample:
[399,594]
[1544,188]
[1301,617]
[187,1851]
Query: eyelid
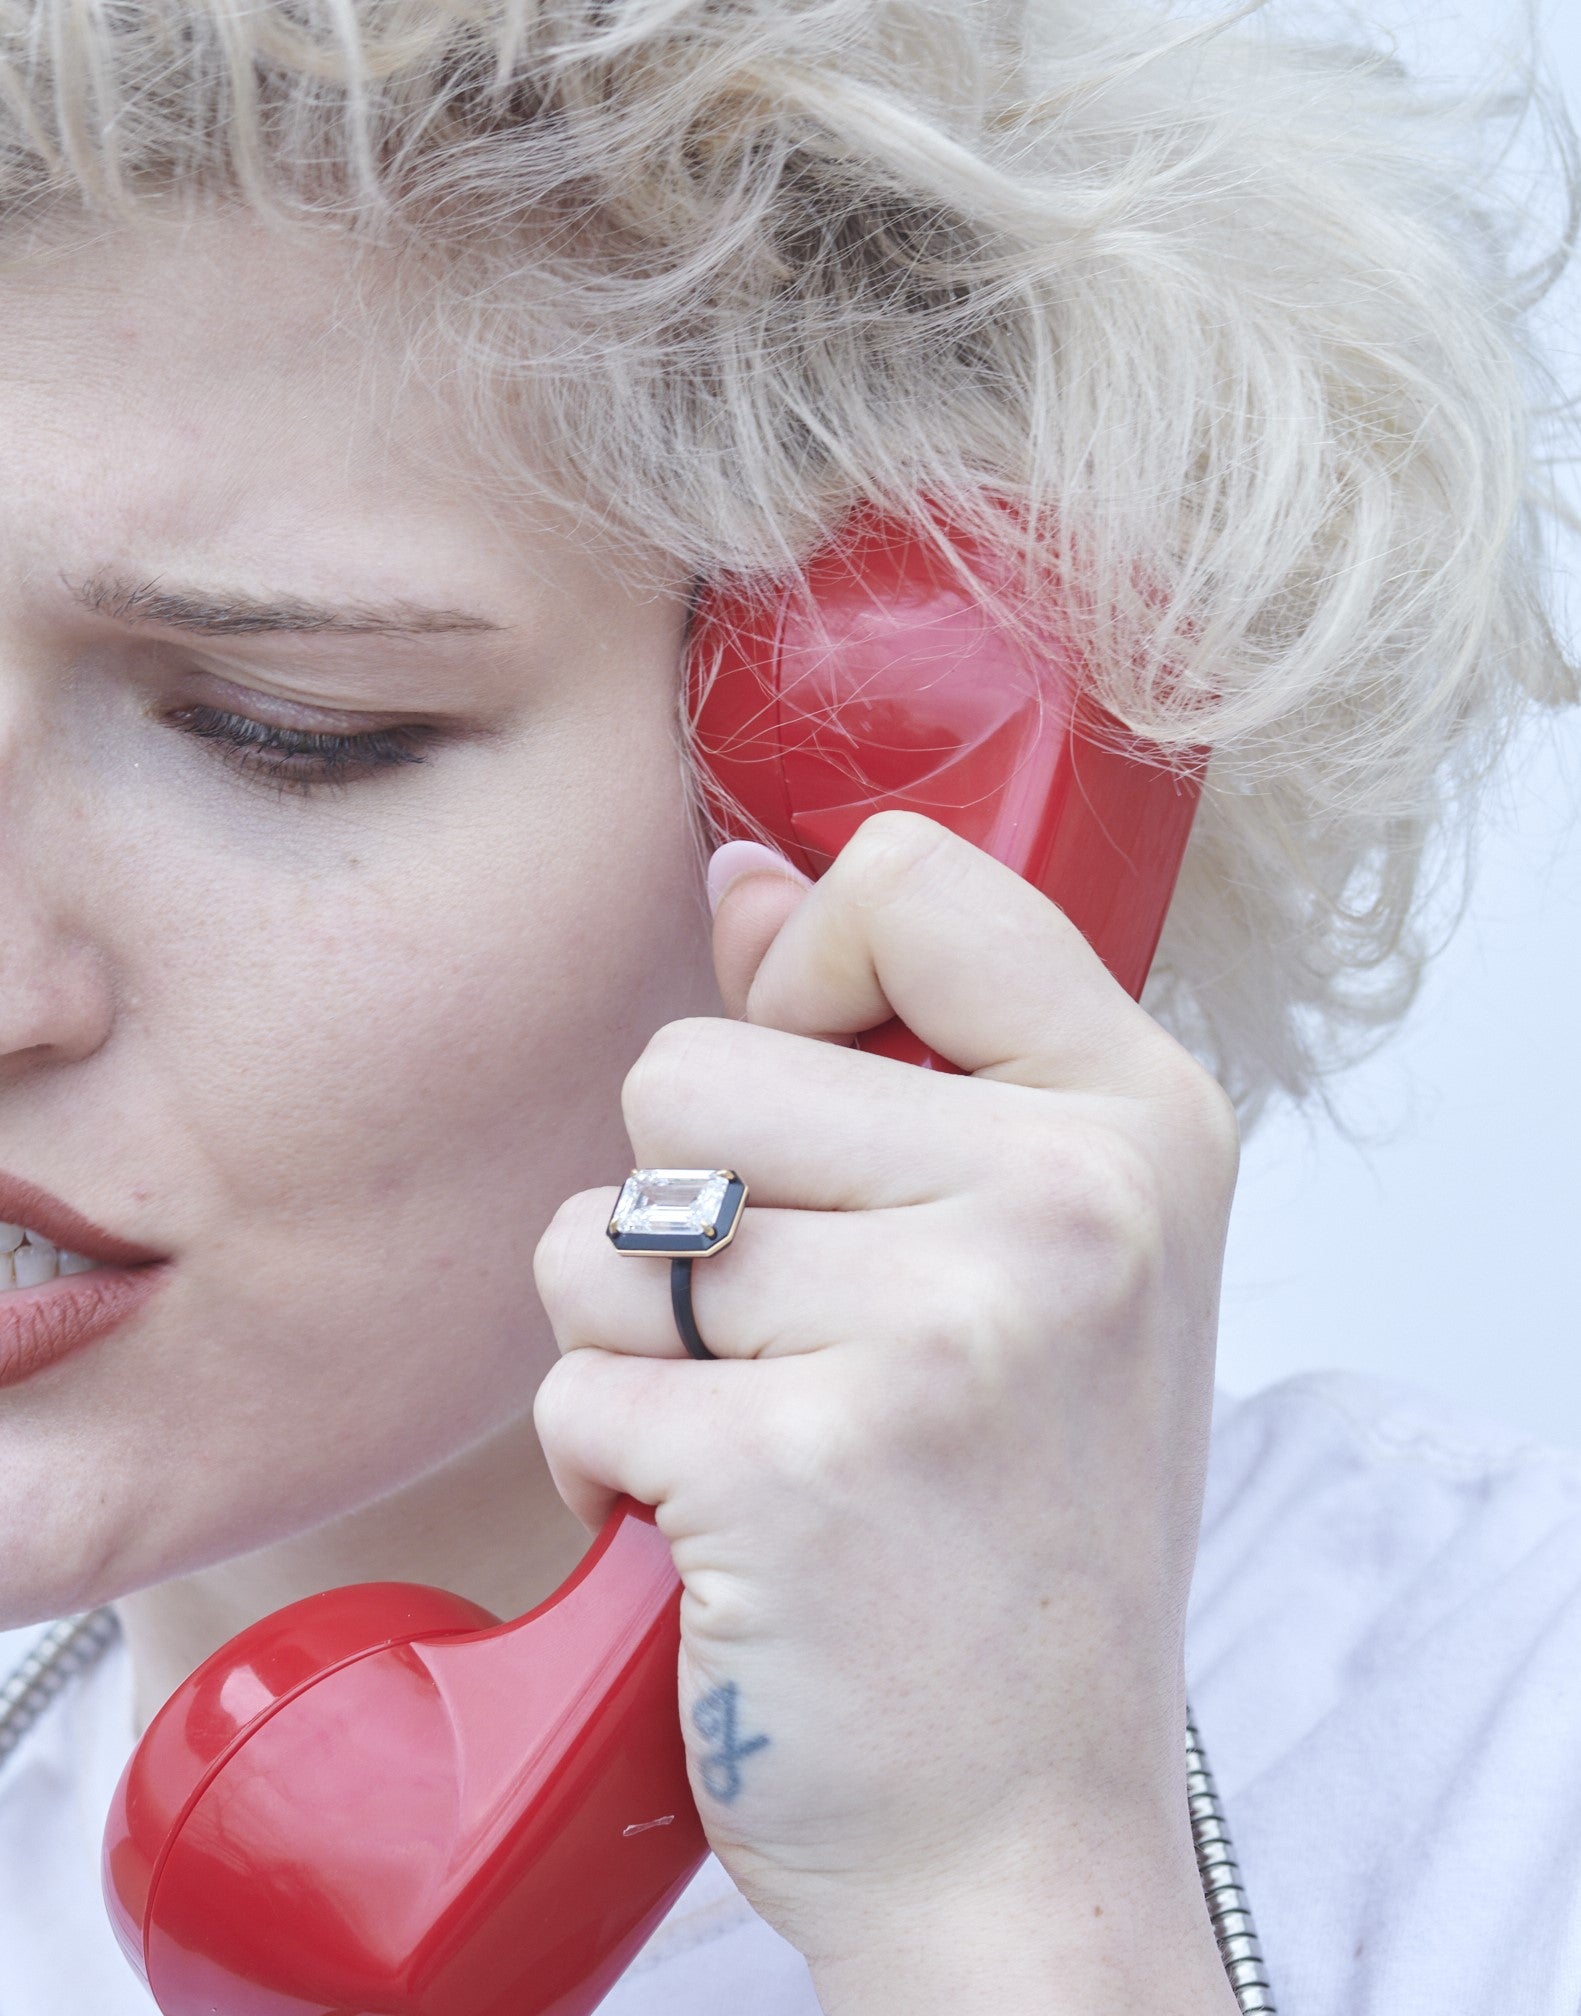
[276,755]
[204,686]
[309,718]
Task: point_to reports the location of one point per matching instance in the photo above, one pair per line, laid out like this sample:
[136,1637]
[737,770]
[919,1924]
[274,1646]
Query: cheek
[394,1043]
[365,1092]
[357,1063]
[373,1083]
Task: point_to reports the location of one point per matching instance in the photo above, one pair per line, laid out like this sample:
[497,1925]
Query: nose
[55,1003]
[56,993]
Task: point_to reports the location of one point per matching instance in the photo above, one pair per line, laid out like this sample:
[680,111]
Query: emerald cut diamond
[677,1211]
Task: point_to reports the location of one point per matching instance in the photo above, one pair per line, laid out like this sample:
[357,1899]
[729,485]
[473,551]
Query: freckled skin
[341,1054]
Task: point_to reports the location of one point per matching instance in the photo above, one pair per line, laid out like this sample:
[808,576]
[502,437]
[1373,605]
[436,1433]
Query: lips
[23,1203]
[41,1324]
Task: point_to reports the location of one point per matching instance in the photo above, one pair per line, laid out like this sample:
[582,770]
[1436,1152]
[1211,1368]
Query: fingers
[789,1282]
[692,1440]
[611,1424]
[751,912]
[810,1125]
[912,920]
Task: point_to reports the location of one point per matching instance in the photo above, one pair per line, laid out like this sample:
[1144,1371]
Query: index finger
[911,920]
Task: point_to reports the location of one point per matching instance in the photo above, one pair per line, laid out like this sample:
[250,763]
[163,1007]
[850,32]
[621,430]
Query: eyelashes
[297,759]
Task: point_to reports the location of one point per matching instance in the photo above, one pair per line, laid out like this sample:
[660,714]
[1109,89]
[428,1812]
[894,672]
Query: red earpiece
[888,684]
[384,1800]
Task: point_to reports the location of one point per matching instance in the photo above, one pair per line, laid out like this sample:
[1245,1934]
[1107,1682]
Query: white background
[1445,1250]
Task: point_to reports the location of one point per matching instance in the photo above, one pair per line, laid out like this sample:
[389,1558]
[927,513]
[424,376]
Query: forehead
[176,392]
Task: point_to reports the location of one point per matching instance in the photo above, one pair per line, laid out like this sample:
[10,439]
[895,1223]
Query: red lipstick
[25,1204]
[40,1325]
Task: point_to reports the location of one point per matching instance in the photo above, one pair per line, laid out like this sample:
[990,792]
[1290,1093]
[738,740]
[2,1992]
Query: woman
[381,381]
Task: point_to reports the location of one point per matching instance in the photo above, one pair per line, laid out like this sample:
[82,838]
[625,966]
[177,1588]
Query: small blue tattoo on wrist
[714,1718]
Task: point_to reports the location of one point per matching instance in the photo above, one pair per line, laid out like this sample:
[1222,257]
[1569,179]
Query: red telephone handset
[384,1801]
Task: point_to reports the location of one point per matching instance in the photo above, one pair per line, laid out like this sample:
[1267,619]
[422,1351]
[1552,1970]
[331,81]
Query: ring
[679,1215]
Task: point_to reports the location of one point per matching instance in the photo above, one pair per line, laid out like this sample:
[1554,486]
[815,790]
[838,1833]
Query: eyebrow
[216,613]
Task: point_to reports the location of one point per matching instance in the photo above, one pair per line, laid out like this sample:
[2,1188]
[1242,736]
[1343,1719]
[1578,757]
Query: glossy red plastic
[889,685]
[384,1801]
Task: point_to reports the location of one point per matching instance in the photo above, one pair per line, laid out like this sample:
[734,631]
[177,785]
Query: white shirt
[1384,1656]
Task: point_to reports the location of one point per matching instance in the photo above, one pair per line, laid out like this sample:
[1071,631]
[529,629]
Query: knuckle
[1127,1203]
[1215,1122]
[966,1365]
[1102,1204]
[819,1449]
[663,1075]
[886,849]
[557,1402]
[556,1260]
[954,1366]
[1200,1102]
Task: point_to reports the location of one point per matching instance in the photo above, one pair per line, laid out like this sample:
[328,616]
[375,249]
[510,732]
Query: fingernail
[745,857]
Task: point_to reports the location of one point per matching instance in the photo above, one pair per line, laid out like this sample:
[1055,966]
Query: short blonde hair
[1230,316]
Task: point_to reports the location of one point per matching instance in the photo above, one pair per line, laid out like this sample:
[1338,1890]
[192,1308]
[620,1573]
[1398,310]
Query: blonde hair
[1231,317]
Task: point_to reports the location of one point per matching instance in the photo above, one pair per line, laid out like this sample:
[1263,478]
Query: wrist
[1106,1946]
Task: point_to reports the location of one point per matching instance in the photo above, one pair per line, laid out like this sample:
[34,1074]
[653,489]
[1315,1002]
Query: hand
[935,1509]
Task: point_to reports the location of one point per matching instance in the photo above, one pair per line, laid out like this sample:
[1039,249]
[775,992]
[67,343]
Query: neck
[489,1525]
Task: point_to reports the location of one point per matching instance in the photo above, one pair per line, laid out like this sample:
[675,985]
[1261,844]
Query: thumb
[752,890]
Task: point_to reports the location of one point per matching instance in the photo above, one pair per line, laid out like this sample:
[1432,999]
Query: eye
[297,759]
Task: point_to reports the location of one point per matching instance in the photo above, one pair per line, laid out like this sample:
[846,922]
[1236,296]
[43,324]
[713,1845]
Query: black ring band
[681,1303]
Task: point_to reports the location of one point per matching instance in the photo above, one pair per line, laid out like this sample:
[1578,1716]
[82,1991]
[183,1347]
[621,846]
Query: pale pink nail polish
[745,857]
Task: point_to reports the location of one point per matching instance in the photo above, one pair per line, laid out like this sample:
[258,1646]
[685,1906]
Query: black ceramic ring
[679,1215]
[681,1303]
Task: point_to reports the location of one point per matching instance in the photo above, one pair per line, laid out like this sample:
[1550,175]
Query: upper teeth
[27,1259]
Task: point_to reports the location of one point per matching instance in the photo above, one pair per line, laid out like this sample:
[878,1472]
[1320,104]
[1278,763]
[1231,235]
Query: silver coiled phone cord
[66,1648]
[1228,1908]
[75,1642]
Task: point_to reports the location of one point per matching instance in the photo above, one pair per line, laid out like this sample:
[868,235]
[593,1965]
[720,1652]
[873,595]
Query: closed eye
[299,759]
